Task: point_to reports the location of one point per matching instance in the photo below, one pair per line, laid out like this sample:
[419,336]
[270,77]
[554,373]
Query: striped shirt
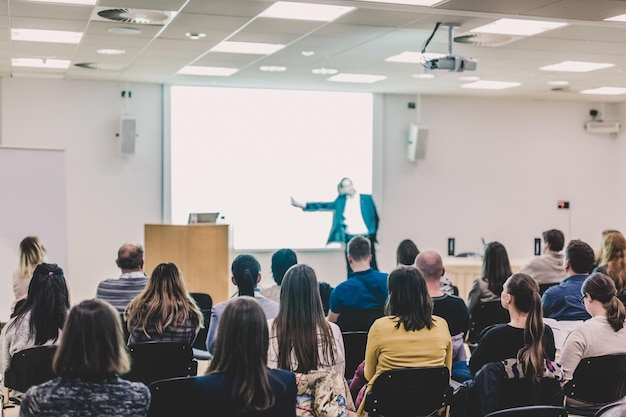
[120,291]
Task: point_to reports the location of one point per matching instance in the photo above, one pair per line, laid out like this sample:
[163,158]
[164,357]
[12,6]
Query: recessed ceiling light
[518,27]
[491,85]
[308,53]
[469,78]
[79,2]
[111,51]
[410,57]
[53,36]
[423,76]
[195,35]
[427,3]
[558,83]
[273,68]
[576,66]
[40,63]
[357,78]
[124,31]
[247,48]
[609,91]
[305,11]
[324,71]
[212,71]
[618,18]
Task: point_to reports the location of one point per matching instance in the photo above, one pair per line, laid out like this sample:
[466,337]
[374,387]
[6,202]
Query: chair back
[598,379]
[171,397]
[151,361]
[354,319]
[544,287]
[409,392]
[204,303]
[124,328]
[616,409]
[354,344]
[531,411]
[484,315]
[30,367]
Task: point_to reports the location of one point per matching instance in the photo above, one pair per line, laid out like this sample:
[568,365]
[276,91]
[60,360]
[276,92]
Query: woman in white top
[301,339]
[32,253]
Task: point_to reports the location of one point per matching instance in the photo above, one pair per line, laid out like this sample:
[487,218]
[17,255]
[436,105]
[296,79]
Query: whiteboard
[32,203]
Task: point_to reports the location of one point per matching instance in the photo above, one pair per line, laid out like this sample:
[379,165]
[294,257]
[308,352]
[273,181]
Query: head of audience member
[554,240]
[282,260]
[408,299]
[600,299]
[241,353]
[346,187]
[520,296]
[578,257]
[300,321]
[47,301]
[496,266]
[92,345]
[246,272]
[430,265]
[406,252]
[130,257]
[32,253]
[600,252]
[325,290]
[359,253]
[614,251]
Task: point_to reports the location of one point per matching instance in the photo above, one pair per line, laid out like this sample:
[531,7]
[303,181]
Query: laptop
[202,218]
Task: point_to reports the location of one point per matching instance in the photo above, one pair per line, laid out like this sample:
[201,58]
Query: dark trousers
[373,263]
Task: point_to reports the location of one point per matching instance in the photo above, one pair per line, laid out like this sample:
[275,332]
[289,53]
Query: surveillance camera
[593,113]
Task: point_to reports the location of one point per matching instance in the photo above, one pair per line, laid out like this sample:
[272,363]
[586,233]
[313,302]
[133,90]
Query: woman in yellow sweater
[409,335]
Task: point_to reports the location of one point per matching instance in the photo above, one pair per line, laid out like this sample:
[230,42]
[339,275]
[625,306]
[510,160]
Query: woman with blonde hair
[613,259]
[164,311]
[32,253]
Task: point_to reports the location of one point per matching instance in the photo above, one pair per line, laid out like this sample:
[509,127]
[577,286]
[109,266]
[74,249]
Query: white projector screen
[244,153]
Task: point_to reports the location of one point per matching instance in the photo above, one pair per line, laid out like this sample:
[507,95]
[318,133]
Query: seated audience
[164,311]
[325,291]
[409,335]
[88,362]
[282,260]
[603,334]
[548,268]
[357,302]
[407,252]
[40,319]
[238,380]
[495,270]
[32,253]
[600,252]
[246,276]
[120,291]
[613,260]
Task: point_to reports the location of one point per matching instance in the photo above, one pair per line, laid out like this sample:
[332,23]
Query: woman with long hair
[164,310]
[246,276]
[409,335]
[495,270]
[32,253]
[301,339]
[238,379]
[88,363]
[613,260]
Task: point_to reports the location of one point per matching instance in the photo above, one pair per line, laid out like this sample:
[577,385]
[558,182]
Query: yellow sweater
[391,348]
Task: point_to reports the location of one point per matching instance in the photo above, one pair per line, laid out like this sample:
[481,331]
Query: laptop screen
[202,218]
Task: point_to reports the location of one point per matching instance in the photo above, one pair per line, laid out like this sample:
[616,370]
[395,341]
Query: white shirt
[353,218]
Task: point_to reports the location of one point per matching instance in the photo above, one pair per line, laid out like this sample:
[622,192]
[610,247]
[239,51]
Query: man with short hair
[548,268]
[357,302]
[120,291]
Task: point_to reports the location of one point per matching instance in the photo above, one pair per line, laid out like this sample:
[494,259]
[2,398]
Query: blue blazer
[338,228]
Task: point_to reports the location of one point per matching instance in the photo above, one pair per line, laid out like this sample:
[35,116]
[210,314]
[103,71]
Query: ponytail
[245,269]
[615,313]
[246,284]
[532,355]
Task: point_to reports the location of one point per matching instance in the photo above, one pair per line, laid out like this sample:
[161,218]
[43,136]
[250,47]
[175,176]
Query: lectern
[201,251]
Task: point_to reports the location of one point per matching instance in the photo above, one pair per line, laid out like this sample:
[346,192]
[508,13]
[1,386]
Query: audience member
[603,334]
[325,290]
[238,380]
[164,311]
[562,302]
[406,253]
[495,270]
[613,260]
[32,253]
[548,268]
[40,319]
[357,302]
[282,260]
[449,307]
[246,276]
[408,336]
[599,252]
[120,291]
[88,363]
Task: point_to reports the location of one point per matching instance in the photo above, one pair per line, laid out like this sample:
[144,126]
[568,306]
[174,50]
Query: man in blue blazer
[354,214]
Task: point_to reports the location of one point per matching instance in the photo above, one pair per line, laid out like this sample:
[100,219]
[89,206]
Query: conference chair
[204,303]
[410,392]
[354,345]
[354,319]
[28,367]
[151,361]
[531,411]
[544,287]
[616,409]
[483,316]
[172,397]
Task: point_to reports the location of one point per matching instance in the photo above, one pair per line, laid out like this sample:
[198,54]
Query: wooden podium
[201,251]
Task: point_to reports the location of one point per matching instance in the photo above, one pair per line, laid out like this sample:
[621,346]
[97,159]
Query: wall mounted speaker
[416,144]
[128,134]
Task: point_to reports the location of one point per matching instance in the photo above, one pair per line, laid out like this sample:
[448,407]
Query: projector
[453,63]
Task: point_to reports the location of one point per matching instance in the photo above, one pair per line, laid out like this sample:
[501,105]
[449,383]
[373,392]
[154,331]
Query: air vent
[99,67]
[485,39]
[136,16]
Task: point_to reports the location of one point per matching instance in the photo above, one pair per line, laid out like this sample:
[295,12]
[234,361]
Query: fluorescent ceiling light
[357,78]
[79,2]
[247,48]
[110,51]
[558,83]
[272,68]
[409,57]
[427,3]
[609,91]
[618,18]
[423,76]
[576,66]
[213,71]
[305,11]
[324,71]
[40,63]
[518,27]
[38,35]
[491,85]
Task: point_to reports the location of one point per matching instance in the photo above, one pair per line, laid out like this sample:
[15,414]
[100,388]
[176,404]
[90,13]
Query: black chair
[29,367]
[531,411]
[354,344]
[544,287]
[124,328]
[354,319]
[204,303]
[409,392]
[152,361]
[485,315]
[616,409]
[171,397]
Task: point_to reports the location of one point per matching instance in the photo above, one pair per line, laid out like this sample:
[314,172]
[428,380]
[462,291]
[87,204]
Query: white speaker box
[417,141]
[128,134]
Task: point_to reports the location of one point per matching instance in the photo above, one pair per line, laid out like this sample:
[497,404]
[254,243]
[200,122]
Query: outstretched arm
[331,205]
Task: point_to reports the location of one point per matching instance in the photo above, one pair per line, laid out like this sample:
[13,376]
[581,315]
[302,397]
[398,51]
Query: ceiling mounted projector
[450,62]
